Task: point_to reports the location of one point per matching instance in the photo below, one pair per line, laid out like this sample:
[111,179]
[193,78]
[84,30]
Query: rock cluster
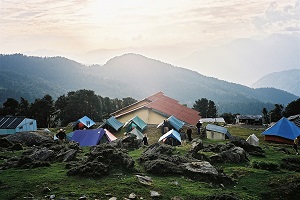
[29,138]
[101,159]
[250,149]
[42,155]
[160,159]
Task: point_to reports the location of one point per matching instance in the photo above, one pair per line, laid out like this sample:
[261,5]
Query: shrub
[270,166]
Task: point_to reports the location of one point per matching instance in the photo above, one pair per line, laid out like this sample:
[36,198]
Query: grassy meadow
[251,183]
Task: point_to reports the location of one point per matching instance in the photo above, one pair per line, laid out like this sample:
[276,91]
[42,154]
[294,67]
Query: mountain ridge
[287,80]
[136,76]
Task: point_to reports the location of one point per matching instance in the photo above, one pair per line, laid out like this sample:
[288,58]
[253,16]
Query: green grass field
[251,183]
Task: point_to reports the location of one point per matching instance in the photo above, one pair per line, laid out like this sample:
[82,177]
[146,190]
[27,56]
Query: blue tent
[112,122]
[174,122]
[135,122]
[89,137]
[86,121]
[172,137]
[282,129]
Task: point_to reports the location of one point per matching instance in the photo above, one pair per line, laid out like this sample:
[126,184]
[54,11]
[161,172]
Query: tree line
[75,104]
[67,108]
[208,109]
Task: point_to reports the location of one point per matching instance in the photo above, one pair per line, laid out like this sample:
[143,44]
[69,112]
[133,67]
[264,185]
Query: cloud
[278,18]
[292,29]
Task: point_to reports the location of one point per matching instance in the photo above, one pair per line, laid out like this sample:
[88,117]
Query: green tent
[137,133]
[113,123]
[135,122]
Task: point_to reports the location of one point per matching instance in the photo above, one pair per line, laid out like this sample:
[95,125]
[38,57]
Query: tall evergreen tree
[10,107]
[211,109]
[24,108]
[78,104]
[128,101]
[201,105]
[229,118]
[276,113]
[42,109]
[265,115]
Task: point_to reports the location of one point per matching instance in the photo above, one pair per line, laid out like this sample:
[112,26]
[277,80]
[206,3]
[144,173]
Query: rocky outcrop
[37,156]
[250,149]
[196,145]
[101,159]
[29,139]
[232,155]
[5,143]
[161,159]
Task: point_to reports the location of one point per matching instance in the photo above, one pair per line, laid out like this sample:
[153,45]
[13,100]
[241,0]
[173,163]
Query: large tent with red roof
[154,109]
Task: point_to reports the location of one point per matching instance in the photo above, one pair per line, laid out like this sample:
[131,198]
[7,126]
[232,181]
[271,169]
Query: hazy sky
[161,29]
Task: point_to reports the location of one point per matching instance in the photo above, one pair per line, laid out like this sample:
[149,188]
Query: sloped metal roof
[165,106]
[10,122]
[219,129]
[170,106]
[249,117]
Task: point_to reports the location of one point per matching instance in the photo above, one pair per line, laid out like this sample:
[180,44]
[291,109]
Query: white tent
[253,140]
[172,137]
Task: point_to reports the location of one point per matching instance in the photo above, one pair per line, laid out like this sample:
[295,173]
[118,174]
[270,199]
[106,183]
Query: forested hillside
[129,75]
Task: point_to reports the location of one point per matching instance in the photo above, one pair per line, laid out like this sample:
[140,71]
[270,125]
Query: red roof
[169,106]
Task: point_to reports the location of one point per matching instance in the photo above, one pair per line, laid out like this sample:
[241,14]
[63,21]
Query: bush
[270,166]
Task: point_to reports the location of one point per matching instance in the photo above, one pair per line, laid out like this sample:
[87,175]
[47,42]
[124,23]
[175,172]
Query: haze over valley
[218,50]
[235,41]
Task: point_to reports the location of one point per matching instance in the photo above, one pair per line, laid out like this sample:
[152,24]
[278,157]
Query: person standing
[296,144]
[198,125]
[166,126]
[182,136]
[189,134]
[145,139]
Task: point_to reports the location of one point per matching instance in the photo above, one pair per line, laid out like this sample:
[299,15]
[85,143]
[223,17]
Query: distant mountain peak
[287,80]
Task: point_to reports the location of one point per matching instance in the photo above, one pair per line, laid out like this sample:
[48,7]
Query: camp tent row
[85,136]
[173,138]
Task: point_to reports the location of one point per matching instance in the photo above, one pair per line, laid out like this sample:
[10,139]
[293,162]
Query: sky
[93,31]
